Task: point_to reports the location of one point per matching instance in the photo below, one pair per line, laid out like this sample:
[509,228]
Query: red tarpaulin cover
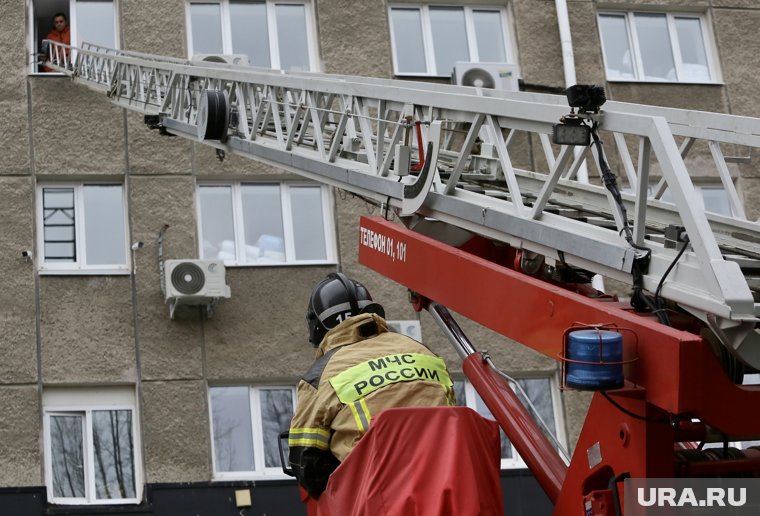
[432,461]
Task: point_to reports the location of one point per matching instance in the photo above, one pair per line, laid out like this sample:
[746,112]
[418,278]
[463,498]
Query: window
[712,198]
[245,427]
[543,394]
[266,223]
[91,449]
[82,229]
[428,40]
[662,47]
[272,33]
[91,21]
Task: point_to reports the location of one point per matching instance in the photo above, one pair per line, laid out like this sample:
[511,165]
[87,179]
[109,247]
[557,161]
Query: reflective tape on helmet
[310,437]
[362,379]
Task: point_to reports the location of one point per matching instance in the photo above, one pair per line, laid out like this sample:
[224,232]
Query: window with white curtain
[543,394]
[245,424]
[272,33]
[430,39]
[91,446]
[657,47]
[266,223]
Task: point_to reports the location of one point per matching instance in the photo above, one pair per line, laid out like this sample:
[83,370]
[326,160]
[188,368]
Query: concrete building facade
[82,342]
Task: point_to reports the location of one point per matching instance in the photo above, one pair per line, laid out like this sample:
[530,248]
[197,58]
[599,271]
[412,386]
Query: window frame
[78,267]
[700,184]
[427,35]
[238,222]
[83,402]
[33,37]
[699,188]
[272,30]
[708,40]
[262,472]
[516,461]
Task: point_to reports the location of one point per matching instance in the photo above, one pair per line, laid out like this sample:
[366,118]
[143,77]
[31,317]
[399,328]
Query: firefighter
[361,368]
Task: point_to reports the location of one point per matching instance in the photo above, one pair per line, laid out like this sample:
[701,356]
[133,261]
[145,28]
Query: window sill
[415,76]
[512,467]
[130,507]
[253,477]
[47,74]
[84,272]
[671,83]
[329,263]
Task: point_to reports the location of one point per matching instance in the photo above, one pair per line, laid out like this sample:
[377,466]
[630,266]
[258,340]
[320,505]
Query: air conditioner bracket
[209,307]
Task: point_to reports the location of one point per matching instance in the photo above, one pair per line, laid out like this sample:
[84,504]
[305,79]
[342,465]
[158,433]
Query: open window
[91,21]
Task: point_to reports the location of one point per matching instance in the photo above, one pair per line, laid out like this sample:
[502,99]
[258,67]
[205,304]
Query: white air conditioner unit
[497,76]
[232,59]
[194,282]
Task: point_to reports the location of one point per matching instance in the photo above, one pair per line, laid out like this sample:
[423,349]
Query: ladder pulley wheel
[213,115]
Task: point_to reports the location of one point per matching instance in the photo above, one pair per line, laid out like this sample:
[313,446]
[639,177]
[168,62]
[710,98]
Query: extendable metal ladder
[371,137]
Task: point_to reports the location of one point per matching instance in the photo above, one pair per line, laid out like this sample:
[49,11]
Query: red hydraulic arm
[527,437]
[674,380]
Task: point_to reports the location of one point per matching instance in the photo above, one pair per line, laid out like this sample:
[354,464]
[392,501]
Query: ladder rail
[718,127]
[345,131]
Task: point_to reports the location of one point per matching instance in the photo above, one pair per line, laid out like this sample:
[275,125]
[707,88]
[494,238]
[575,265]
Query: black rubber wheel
[212,115]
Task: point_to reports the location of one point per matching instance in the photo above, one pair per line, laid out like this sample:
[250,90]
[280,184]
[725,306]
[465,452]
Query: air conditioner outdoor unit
[233,59]
[498,76]
[194,282]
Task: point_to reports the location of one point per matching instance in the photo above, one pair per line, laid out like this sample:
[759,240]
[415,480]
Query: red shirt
[64,37]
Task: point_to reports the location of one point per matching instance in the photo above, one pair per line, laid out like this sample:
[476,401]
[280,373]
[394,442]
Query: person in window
[61,34]
[361,368]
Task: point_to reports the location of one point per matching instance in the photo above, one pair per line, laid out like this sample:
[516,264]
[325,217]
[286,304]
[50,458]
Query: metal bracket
[172,309]
[208,308]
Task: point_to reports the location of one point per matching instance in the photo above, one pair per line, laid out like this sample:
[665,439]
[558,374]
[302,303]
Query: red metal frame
[676,374]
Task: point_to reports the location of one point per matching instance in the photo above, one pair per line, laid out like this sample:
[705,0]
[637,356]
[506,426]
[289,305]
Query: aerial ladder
[513,245]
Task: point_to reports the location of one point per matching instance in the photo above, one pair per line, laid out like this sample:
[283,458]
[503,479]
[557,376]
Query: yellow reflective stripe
[315,430]
[357,417]
[364,406]
[312,443]
[316,437]
[361,414]
[362,379]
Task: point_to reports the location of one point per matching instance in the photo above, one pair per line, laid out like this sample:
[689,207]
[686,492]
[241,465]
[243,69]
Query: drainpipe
[568,60]
[568,64]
